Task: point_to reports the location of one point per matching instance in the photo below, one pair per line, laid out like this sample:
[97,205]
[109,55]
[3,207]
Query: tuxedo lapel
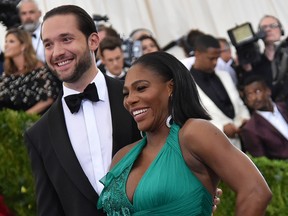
[118,112]
[266,126]
[64,151]
[283,110]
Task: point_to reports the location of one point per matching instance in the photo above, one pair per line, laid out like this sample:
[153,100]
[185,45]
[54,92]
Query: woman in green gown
[176,167]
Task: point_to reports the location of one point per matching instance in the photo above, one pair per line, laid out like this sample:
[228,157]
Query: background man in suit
[112,58]
[66,161]
[266,133]
[217,91]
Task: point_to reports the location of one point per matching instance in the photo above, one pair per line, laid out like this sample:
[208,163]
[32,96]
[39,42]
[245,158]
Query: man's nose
[58,50]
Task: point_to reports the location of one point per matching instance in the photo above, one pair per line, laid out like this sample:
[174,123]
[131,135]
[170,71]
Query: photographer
[272,29]
[280,72]
[1,61]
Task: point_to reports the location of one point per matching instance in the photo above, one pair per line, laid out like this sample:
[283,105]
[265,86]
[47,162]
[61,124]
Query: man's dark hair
[203,42]
[192,35]
[187,41]
[254,78]
[85,22]
[109,43]
[109,31]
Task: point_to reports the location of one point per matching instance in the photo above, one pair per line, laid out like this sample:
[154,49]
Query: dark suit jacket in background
[61,184]
[260,138]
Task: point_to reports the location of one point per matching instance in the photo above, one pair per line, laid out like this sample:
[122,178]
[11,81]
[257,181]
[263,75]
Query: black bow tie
[74,101]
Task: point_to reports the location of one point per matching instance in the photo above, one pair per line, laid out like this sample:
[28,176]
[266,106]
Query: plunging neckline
[157,191]
[147,171]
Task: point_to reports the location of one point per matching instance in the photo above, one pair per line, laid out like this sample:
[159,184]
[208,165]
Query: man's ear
[93,41]
[196,53]
[269,92]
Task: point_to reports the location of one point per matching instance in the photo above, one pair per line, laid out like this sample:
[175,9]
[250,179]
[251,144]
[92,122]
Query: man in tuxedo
[67,160]
[30,14]
[266,133]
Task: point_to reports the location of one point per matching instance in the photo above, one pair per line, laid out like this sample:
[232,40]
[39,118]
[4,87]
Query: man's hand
[216,200]
[231,130]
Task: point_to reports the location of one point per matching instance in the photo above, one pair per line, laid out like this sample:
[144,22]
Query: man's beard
[83,65]
[30,27]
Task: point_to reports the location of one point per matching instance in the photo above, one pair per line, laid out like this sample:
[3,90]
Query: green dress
[168,187]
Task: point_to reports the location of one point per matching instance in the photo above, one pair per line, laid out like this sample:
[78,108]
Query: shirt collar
[202,74]
[122,74]
[274,112]
[37,31]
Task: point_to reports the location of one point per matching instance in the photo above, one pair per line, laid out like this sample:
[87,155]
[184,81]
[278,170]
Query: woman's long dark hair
[185,102]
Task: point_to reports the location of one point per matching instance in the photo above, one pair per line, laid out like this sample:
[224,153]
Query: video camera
[132,50]
[9,13]
[98,19]
[246,43]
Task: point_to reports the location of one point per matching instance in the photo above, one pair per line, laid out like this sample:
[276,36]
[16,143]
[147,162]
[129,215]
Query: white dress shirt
[122,74]
[276,119]
[38,44]
[76,128]
[226,66]
[188,62]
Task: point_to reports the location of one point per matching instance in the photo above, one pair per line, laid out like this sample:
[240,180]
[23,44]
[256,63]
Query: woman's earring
[142,134]
[169,121]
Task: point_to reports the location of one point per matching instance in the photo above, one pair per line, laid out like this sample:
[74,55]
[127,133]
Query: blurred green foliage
[276,174]
[16,180]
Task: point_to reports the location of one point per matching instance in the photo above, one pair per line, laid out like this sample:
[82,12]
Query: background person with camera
[280,72]
[260,63]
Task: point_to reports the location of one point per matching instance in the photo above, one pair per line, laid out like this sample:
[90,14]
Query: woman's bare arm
[213,149]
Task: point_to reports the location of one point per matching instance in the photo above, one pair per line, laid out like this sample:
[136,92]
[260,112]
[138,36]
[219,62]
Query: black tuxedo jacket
[62,187]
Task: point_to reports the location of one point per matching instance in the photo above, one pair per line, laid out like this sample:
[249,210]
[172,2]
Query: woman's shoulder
[199,134]
[195,126]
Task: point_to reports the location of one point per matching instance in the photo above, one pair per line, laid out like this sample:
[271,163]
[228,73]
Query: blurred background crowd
[245,52]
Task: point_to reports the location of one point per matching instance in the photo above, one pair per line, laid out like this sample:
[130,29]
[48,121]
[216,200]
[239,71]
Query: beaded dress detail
[24,91]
